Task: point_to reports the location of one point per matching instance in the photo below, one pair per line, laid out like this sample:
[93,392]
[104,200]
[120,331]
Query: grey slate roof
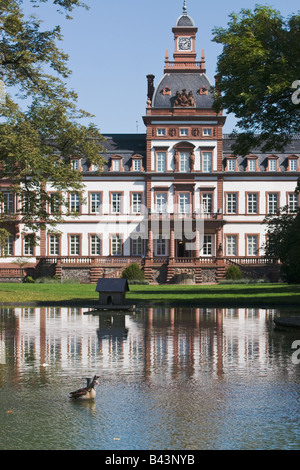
[185,20]
[112,285]
[179,81]
[292,149]
[125,145]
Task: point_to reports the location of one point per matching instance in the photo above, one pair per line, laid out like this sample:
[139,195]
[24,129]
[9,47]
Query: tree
[283,242]
[256,69]
[39,139]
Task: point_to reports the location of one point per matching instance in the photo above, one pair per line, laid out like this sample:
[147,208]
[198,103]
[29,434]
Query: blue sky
[114,45]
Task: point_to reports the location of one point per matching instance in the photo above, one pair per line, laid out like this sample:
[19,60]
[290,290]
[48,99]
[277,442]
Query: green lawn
[235,294]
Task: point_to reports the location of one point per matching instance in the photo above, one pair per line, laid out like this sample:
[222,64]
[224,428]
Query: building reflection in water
[154,342]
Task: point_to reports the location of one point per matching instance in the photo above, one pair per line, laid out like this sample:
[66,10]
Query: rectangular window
[252,203]
[293,202]
[272,164]
[54,245]
[7,248]
[95,203]
[272,203]
[95,245]
[184,203]
[231,164]
[161,203]
[116,165]
[28,203]
[252,245]
[207,162]
[8,206]
[231,203]
[74,202]
[137,246]
[75,164]
[74,244]
[184,162]
[137,165]
[207,132]
[29,245]
[161,162]
[184,132]
[54,203]
[161,246]
[116,245]
[207,245]
[231,245]
[207,203]
[293,164]
[252,165]
[161,131]
[137,199]
[116,203]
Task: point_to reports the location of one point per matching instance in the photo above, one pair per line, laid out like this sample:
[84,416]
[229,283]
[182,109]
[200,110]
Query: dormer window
[272,163]
[137,163]
[116,163]
[292,163]
[231,164]
[75,164]
[251,164]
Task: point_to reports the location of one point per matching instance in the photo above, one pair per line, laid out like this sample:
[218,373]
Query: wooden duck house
[112,291]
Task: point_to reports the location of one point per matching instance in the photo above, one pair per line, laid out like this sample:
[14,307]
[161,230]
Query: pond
[170,378]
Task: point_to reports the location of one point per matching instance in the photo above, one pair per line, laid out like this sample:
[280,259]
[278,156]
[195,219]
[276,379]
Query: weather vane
[184,8]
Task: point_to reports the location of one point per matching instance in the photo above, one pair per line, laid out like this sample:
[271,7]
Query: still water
[170,378]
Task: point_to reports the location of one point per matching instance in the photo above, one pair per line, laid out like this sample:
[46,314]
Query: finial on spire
[184,10]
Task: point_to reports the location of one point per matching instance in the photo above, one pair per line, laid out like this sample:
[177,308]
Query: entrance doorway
[181,251]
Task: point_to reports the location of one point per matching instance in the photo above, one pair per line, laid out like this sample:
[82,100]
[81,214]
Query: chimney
[150,92]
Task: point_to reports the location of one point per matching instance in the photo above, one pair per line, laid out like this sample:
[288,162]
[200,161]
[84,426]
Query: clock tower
[184,37]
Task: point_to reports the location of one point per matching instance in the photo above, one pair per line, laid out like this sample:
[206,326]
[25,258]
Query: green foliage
[234,273]
[259,62]
[283,243]
[29,280]
[133,272]
[38,140]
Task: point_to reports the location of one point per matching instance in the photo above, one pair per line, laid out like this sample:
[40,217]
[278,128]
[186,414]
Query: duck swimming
[88,392]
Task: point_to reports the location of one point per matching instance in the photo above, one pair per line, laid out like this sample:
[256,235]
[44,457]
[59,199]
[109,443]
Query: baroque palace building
[175,200]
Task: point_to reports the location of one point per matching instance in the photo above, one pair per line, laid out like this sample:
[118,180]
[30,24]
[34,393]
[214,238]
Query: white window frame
[207,162]
[74,202]
[54,245]
[252,203]
[231,245]
[184,203]
[116,203]
[95,203]
[95,245]
[184,160]
[161,162]
[231,203]
[74,241]
[116,245]
[273,205]
[252,245]
[161,203]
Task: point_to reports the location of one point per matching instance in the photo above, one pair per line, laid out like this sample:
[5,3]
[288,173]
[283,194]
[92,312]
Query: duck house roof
[112,285]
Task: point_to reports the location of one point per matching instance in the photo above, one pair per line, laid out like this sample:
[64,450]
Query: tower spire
[184,9]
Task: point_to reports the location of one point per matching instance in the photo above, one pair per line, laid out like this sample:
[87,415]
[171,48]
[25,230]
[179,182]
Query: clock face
[184,44]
